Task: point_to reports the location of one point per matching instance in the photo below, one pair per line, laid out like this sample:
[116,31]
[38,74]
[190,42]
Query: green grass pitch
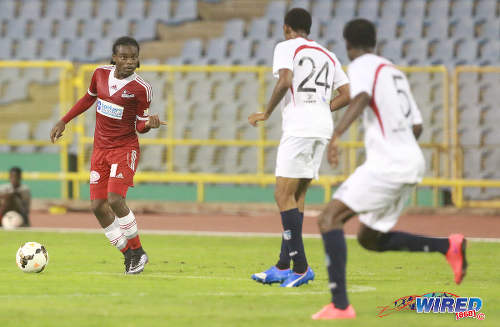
[205,281]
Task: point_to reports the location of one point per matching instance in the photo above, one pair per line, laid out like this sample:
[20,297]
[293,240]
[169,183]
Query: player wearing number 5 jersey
[307,76]
[123,99]
[378,190]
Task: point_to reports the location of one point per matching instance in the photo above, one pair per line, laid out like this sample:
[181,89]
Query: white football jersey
[316,73]
[391,147]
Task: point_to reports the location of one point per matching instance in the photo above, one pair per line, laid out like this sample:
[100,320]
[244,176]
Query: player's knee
[369,243]
[281,198]
[115,201]
[97,206]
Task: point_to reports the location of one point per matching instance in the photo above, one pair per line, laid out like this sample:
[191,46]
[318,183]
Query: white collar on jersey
[115,84]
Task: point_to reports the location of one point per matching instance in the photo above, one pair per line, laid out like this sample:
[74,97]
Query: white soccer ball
[12,220]
[32,257]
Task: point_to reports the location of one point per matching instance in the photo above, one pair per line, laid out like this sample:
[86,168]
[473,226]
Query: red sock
[134,243]
[125,248]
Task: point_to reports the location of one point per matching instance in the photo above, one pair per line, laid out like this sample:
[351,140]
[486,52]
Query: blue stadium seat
[264,52]
[145,30]
[7,9]
[276,11]
[56,9]
[438,10]
[82,9]
[470,135]
[259,29]
[368,9]
[241,51]
[42,28]
[443,51]
[462,28]
[234,29]
[392,49]
[92,29]
[322,11]
[5,49]
[414,10]
[134,9]
[151,155]
[466,52]
[416,52]
[160,10]
[216,49]
[386,28]
[315,30]
[27,49]
[118,28]
[411,28]
[102,49]
[306,4]
[489,28]
[192,49]
[436,29]
[345,10]
[67,28]
[490,52]
[391,9]
[78,50]
[334,30]
[30,9]
[16,28]
[187,10]
[52,49]
[107,9]
[486,9]
[462,8]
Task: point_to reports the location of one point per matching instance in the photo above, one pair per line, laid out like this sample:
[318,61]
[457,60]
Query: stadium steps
[213,19]
[38,106]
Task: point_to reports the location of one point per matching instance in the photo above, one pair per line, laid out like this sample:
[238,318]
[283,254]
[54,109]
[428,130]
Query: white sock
[115,235]
[128,225]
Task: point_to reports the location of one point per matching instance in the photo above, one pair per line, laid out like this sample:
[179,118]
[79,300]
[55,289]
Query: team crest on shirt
[94,177]
[125,94]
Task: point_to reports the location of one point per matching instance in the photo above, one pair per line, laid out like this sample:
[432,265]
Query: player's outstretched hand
[333,152]
[154,122]
[57,131]
[256,117]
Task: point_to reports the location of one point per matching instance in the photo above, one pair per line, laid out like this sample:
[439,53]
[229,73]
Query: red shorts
[112,170]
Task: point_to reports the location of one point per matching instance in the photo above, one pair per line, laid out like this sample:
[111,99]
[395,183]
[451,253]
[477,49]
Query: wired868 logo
[437,302]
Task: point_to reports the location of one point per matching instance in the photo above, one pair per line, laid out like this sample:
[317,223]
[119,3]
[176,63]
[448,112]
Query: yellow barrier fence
[67,84]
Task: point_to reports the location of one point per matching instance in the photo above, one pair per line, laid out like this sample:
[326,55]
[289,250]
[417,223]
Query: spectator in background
[15,196]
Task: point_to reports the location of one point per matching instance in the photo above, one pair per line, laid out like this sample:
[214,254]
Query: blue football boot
[295,280]
[272,275]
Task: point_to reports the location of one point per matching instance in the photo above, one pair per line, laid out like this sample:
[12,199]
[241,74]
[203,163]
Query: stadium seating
[410,32]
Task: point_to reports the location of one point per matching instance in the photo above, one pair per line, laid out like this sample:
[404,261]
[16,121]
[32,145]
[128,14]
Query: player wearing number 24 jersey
[122,102]
[378,190]
[307,76]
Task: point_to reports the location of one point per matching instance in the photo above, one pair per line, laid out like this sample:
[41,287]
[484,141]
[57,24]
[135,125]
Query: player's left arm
[282,86]
[144,121]
[356,107]
[341,99]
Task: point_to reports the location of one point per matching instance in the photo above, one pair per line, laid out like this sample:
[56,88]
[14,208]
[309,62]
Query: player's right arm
[81,106]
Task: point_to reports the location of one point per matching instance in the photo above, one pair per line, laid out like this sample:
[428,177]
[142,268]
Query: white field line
[202,233]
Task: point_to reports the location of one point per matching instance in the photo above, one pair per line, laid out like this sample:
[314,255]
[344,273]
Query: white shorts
[300,157]
[378,201]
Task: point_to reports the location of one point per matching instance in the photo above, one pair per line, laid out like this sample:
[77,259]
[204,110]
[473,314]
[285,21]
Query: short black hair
[360,33]
[124,40]
[299,19]
[16,170]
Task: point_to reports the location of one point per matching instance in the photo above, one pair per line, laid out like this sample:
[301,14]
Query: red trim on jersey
[373,104]
[293,95]
[305,46]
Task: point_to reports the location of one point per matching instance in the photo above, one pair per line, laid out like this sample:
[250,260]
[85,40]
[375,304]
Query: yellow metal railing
[457,167]
[67,85]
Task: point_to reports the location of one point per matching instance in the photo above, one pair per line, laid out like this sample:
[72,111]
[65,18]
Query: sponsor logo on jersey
[109,109]
[125,94]
[120,175]
[94,177]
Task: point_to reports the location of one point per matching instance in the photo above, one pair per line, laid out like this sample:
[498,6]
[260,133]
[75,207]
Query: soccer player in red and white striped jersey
[123,100]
